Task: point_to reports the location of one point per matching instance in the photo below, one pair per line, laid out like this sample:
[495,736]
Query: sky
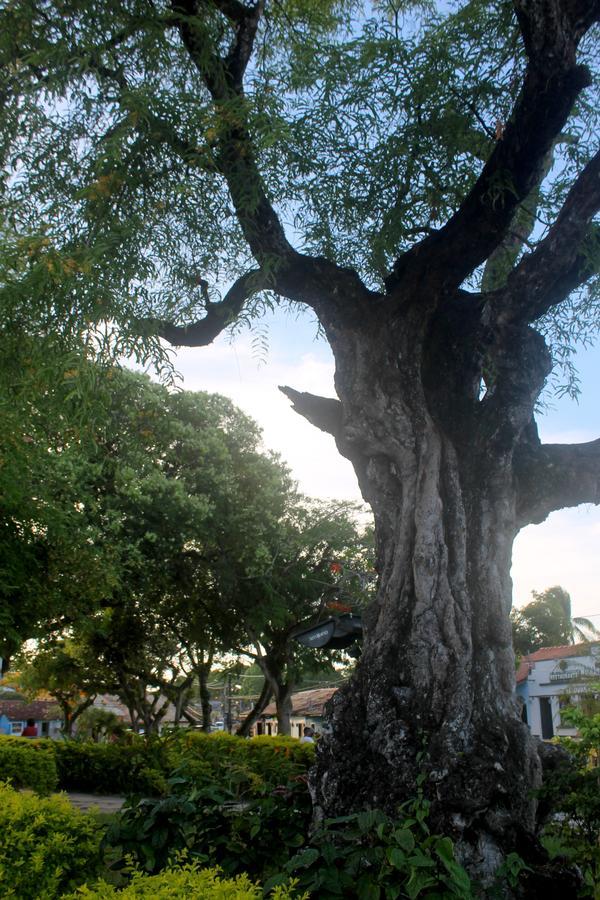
[564,550]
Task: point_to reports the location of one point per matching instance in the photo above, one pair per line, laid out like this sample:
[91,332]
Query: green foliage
[243,805]
[49,561]
[28,763]
[46,847]
[176,492]
[66,670]
[572,792]
[134,766]
[99,724]
[185,881]
[369,856]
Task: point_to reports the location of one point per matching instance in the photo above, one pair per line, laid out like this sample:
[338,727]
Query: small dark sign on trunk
[337,632]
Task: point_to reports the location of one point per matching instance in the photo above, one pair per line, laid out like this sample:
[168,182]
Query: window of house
[16,727]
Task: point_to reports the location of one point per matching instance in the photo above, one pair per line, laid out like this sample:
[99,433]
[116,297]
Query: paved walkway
[105,803]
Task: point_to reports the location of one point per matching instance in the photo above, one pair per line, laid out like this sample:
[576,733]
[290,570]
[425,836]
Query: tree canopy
[154,153]
[204,548]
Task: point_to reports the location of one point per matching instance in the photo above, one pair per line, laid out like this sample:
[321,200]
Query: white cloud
[234,370]
[562,550]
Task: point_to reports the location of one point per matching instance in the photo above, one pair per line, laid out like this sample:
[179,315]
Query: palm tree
[547,622]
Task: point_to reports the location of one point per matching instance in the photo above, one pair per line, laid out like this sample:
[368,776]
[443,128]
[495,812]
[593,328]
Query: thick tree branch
[551,31]
[323,412]
[308,280]
[554,476]
[235,157]
[562,261]
[298,277]
[218,315]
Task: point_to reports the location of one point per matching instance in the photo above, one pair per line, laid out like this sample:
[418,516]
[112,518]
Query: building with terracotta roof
[308,708]
[552,678]
[45,713]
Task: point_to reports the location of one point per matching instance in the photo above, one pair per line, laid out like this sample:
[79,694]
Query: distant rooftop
[306,703]
[561,652]
[20,710]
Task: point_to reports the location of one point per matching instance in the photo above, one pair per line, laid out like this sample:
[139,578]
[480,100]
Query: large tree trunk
[272,666]
[451,473]
[203,672]
[283,703]
[434,690]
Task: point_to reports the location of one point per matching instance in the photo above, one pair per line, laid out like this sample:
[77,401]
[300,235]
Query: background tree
[547,622]
[67,671]
[99,724]
[49,562]
[368,169]
[295,584]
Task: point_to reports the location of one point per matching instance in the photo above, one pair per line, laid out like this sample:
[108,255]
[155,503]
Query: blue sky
[563,550]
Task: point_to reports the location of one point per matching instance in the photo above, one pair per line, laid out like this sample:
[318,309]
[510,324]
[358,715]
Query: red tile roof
[562,652]
[20,711]
[522,671]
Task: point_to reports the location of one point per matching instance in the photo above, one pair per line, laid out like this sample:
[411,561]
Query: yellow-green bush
[185,881]
[46,846]
[265,760]
[28,763]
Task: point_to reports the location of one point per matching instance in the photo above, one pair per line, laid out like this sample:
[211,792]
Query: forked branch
[223,77]
[551,32]
[218,315]
[565,259]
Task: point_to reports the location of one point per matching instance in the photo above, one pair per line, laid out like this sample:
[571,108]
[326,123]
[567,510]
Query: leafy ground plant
[46,846]
[253,830]
[369,856]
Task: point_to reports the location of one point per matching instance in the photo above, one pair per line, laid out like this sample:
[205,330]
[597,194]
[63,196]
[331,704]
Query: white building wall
[555,679]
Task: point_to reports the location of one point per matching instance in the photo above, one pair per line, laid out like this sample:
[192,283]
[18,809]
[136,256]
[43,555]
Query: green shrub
[185,881]
[369,855]
[248,830]
[572,792]
[28,763]
[136,767]
[46,846]
[141,765]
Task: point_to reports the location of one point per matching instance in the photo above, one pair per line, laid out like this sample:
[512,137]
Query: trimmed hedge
[28,763]
[256,763]
[137,767]
[142,766]
[46,846]
[185,881]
